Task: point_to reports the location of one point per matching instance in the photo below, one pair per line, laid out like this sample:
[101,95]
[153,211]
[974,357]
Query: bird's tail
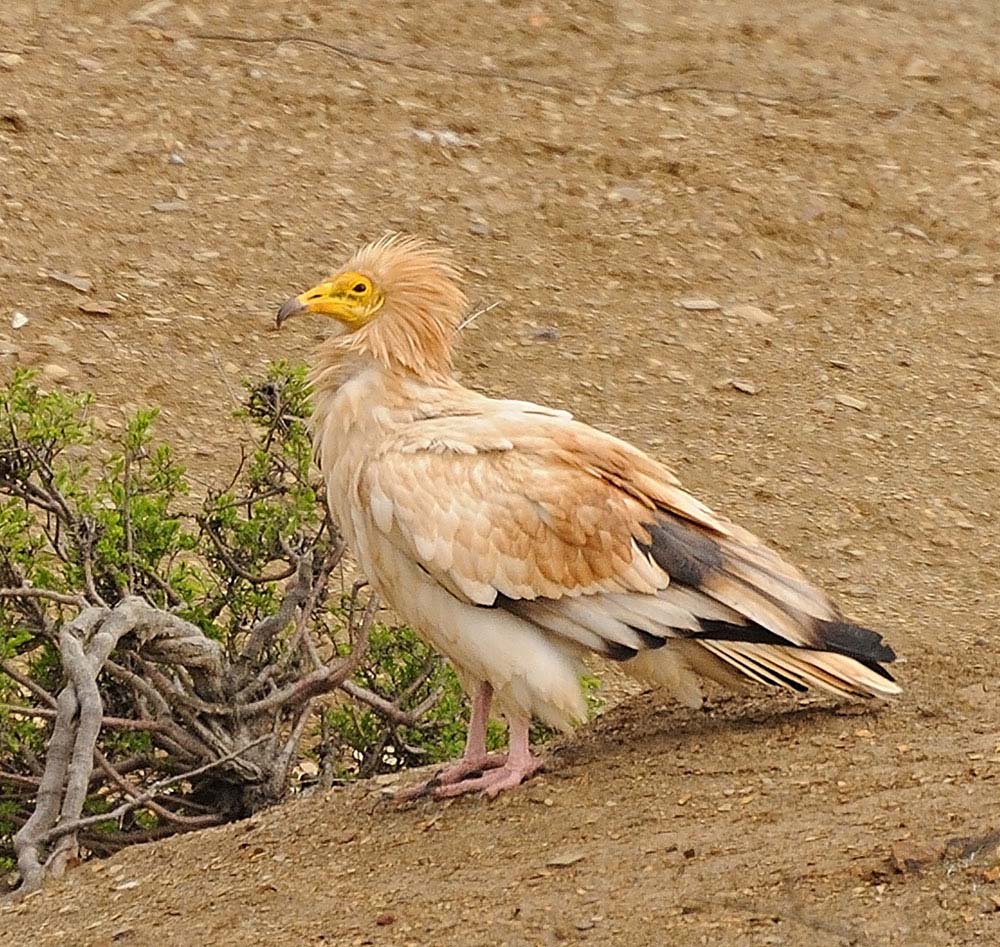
[736,663]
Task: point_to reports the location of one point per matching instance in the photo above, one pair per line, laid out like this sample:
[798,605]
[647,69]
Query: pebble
[752,314]
[850,402]
[565,859]
[79,282]
[698,304]
[97,308]
[55,372]
[57,344]
[918,68]
[14,118]
[626,193]
[10,60]
[18,320]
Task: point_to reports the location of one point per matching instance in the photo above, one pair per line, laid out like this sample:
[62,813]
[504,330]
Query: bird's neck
[426,361]
[356,390]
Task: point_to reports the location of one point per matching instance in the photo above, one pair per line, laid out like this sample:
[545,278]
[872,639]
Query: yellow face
[350,298]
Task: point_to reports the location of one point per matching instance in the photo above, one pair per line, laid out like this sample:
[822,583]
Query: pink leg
[475,759]
[521,763]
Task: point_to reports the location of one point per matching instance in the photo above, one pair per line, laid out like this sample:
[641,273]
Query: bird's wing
[590,539]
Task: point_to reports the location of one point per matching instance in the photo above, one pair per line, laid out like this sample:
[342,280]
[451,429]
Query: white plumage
[516,539]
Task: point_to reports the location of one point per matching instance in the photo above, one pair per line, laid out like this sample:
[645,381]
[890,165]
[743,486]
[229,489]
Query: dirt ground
[819,181]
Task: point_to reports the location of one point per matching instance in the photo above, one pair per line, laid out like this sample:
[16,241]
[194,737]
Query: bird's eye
[360,287]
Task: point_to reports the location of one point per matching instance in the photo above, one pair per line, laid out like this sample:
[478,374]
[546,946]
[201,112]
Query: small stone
[850,402]
[147,11]
[918,68]
[626,193]
[639,27]
[57,344]
[55,372]
[911,230]
[451,139]
[752,314]
[15,119]
[908,857]
[18,320]
[384,920]
[169,207]
[545,334]
[565,859]
[79,282]
[97,308]
[480,228]
[88,64]
[698,304]
[175,158]
[747,387]
[10,60]
[984,279]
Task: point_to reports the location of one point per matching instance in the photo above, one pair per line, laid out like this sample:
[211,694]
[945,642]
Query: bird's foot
[453,774]
[492,782]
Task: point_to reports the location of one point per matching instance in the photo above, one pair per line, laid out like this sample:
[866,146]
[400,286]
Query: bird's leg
[475,758]
[520,764]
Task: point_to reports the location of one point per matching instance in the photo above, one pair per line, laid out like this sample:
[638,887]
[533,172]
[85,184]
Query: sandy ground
[823,178]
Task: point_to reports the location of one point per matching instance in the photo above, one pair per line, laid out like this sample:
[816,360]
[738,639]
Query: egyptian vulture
[517,540]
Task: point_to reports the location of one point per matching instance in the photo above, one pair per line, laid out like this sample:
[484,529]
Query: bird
[517,540]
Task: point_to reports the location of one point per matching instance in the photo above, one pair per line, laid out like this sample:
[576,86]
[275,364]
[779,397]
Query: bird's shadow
[647,723]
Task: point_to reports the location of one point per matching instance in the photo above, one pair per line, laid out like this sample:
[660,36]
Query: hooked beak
[292,307]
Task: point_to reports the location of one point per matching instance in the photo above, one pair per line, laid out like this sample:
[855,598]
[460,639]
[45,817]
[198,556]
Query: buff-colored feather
[517,539]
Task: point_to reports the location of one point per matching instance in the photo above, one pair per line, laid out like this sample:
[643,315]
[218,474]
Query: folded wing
[590,540]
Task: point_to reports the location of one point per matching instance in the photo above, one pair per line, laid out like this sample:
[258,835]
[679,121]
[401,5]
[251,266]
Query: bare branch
[26,591]
[296,593]
[473,316]
[27,843]
[227,557]
[322,680]
[114,723]
[127,520]
[390,710]
[188,822]
[283,761]
[439,67]
[27,683]
[435,68]
[68,828]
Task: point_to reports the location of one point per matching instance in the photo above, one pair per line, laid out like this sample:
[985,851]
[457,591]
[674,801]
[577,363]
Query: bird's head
[352,298]
[394,275]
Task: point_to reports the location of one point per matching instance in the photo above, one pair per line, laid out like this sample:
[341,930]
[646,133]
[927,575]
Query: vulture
[518,540]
